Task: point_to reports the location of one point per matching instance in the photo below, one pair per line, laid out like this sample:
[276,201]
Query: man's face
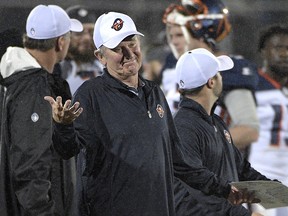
[218,86]
[275,54]
[81,47]
[182,41]
[124,60]
[64,42]
[176,38]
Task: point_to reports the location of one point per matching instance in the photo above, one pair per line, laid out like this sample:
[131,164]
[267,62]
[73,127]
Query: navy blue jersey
[244,74]
[266,83]
[170,61]
[272,110]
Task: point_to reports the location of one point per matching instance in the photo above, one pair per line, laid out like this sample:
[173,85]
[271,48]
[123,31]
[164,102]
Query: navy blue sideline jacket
[206,141]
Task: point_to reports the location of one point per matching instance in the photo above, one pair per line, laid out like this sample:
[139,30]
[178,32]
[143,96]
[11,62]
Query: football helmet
[207,19]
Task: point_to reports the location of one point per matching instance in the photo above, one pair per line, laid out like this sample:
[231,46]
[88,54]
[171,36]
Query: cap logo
[182,84]
[118,24]
[160,110]
[32,31]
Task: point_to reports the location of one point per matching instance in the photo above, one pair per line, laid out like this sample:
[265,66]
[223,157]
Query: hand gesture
[237,197]
[64,114]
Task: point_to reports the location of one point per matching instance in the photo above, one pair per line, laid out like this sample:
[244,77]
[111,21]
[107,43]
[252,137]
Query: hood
[15,60]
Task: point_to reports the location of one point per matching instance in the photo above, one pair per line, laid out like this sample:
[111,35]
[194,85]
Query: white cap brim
[113,42]
[226,63]
[76,25]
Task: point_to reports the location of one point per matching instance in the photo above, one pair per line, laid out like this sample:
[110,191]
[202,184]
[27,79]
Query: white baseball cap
[45,22]
[111,28]
[194,68]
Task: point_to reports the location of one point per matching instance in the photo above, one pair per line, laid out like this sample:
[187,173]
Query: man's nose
[128,52]
[174,40]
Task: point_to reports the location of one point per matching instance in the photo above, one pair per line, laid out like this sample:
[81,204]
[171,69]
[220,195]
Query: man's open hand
[64,114]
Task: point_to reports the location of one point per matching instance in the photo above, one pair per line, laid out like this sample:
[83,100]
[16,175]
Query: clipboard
[271,193]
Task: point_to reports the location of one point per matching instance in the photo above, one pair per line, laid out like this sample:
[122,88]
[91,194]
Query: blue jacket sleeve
[194,202]
[69,139]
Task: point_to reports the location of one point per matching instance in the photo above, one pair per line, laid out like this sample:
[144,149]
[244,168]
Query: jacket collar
[196,107]
[115,83]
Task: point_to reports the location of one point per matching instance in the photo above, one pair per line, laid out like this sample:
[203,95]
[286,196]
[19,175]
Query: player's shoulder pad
[170,61]
[265,83]
[244,74]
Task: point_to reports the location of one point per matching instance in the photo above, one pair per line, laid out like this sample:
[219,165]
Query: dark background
[247,17]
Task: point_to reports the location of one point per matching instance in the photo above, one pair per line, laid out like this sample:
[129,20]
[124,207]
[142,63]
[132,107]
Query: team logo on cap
[32,31]
[118,24]
[227,136]
[182,84]
[160,110]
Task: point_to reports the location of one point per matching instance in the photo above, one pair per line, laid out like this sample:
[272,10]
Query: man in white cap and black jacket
[34,180]
[204,136]
[125,133]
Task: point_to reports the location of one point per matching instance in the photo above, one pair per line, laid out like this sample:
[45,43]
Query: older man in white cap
[34,180]
[122,131]
[204,136]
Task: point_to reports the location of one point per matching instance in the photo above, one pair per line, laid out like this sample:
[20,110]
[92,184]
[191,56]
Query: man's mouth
[130,62]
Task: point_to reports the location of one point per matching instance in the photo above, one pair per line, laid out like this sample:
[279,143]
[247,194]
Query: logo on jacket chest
[34,117]
[227,136]
[160,110]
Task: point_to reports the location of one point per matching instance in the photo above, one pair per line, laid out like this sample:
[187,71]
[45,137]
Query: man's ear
[100,56]
[210,83]
[59,44]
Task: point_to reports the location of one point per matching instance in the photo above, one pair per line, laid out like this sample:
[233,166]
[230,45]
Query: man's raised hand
[64,114]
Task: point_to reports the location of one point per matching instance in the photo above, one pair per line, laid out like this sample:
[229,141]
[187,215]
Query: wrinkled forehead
[130,38]
[125,42]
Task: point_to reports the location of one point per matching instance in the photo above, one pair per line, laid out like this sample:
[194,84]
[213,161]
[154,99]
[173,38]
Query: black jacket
[34,180]
[126,149]
[206,140]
